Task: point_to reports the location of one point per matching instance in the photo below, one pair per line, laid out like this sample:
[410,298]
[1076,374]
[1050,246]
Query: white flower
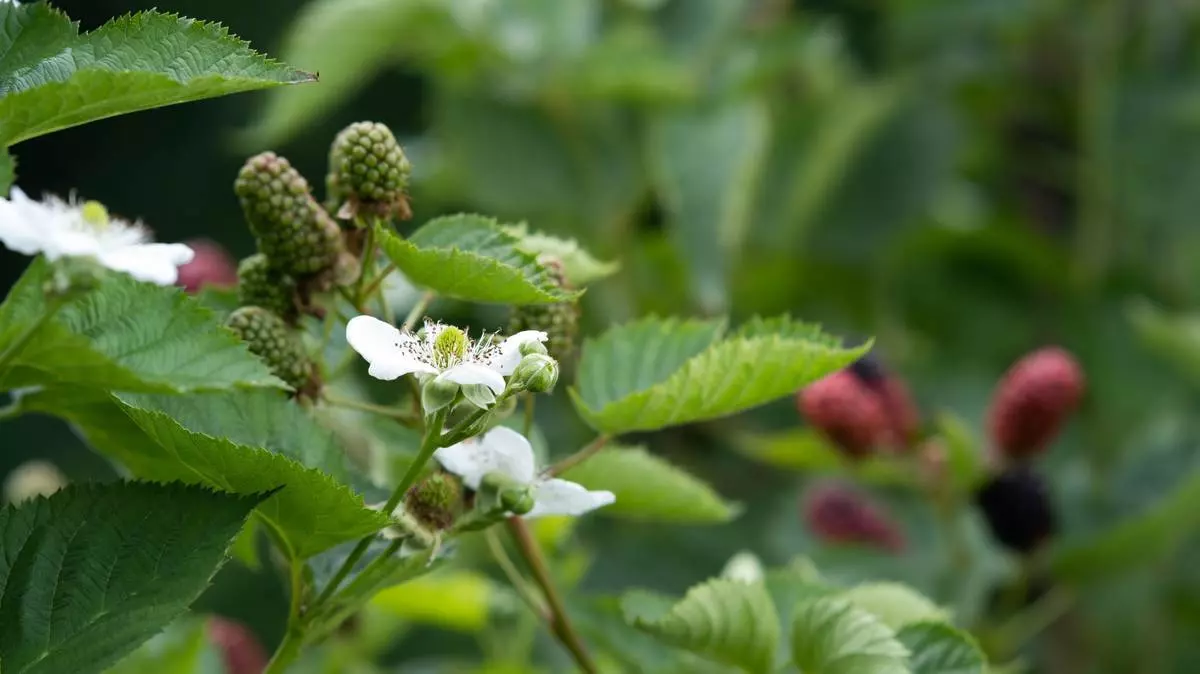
[58,229]
[505,451]
[445,351]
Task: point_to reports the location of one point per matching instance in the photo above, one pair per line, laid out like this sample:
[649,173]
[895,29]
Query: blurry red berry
[1033,400]
[836,513]
[241,651]
[212,265]
[846,411]
[904,418]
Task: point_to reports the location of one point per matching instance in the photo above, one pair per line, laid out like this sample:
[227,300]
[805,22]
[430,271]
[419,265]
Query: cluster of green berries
[368,172]
[560,320]
[302,250]
[271,339]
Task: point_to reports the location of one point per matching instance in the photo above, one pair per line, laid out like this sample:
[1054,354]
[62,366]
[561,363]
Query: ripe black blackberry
[1017,507]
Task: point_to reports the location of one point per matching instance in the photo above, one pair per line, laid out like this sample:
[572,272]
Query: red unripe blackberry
[240,650]
[211,265]
[1032,401]
[847,412]
[1018,510]
[904,417]
[836,513]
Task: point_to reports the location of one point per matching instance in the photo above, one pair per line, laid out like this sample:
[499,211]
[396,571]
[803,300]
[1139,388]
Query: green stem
[418,310]
[293,639]
[528,414]
[368,263]
[19,343]
[578,457]
[404,417]
[560,623]
[1032,621]
[378,280]
[286,654]
[524,590]
[429,445]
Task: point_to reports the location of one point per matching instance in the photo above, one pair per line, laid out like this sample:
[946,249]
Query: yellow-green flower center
[95,214]
[450,347]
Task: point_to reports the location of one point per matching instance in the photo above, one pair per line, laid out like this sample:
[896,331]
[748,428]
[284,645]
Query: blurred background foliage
[965,180]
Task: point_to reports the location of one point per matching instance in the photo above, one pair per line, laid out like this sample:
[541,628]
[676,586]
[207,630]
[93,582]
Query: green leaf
[366,580]
[183,648]
[312,513]
[895,604]
[707,163]
[1137,541]
[579,266]
[95,570]
[173,345]
[456,600]
[938,648]
[650,489]
[728,621]
[832,636]
[8,171]
[1175,339]
[807,451]
[657,373]
[471,257]
[347,43]
[54,78]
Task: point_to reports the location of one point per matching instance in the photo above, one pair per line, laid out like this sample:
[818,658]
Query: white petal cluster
[507,452]
[393,353]
[57,229]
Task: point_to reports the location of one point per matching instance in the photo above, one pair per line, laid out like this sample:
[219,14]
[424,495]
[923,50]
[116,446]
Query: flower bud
[367,172]
[261,285]
[1018,510]
[31,479]
[73,276]
[239,648]
[532,347]
[835,513]
[744,567]
[846,412]
[536,373]
[559,320]
[1033,400]
[499,490]
[292,230]
[268,337]
[211,266]
[435,501]
[437,394]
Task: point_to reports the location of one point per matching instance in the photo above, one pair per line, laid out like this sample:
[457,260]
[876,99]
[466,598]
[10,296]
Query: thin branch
[560,623]
[578,457]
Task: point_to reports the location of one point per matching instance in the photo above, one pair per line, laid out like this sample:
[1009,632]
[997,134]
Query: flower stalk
[560,622]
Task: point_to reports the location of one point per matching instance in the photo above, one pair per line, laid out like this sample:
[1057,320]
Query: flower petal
[509,356]
[562,497]
[468,459]
[152,262]
[391,353]
[465,374]
[512,455]
[23,223]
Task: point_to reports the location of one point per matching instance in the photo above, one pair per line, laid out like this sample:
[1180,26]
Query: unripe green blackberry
[560,320]
[367,171]
[436,501]
[269,338]
[261,285]
[291,227]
